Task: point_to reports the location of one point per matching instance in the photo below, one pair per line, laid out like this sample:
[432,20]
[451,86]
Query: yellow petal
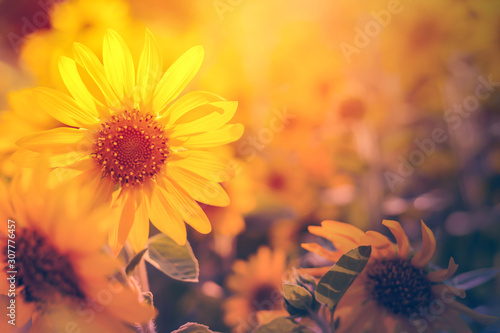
[206,164]
[400,235]
[428,247]
[188,102]
[28,158]
[88,60]
[226,134]
[75,85]
[166,218]
[177,77]
[118,65]
[375,239]
[57,140]
[321,251]
[443,274]
[149,70]
[139,233]
[190,210]
[198,188]
[63,108]
[119,233]
[209,117]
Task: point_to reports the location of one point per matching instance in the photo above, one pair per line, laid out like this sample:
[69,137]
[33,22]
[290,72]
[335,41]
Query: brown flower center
[131,148]
[398,286]
[42,270]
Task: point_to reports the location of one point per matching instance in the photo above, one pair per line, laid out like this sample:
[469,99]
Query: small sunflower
[396,292]
[145,152]
[64,279]
[256,285]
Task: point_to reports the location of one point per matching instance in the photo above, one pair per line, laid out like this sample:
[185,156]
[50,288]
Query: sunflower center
[41,269]
[399,286]
[131,148]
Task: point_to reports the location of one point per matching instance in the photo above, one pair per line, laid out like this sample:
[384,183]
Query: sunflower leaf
[282,324]
[297,296]
[333,285]
[135,261]
[176,261]
[474,278]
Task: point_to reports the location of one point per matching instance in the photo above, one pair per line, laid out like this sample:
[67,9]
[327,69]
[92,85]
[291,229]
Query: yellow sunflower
[144,151]
[56,271]
[256,285]
[396,292]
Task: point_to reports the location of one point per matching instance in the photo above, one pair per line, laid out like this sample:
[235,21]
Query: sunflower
[64,278]
[145,154]
[397,291]
[256,285]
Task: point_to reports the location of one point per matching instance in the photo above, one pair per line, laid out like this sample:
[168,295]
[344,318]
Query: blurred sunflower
[396,291]
[17,123]
[256,284]
[144,154]
[64,275]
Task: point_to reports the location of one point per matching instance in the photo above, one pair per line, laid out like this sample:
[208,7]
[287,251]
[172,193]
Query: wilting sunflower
[256,284]
[397,291]
[144,152]
[57,273]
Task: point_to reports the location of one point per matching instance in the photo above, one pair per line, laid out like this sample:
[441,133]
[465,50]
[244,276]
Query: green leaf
[174,260]
[193,328]
[333,285]
[474,278]
[282,324]
[135,261]
[299,297]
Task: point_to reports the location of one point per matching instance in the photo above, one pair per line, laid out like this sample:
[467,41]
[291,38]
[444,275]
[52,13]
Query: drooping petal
[149,69]
[75,85]
[118,65]
[428,247]
[222,136]
[479,317]
[198,188]
[63,108]
[401,238]
[443,274]
[139,233]
[321,251]
[208,117]
[120,231]
[187,103]
[88,60]
[190,210]
[166,218]
[177,77]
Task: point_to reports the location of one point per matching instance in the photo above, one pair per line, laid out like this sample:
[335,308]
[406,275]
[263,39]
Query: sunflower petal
[119,233]
[210,117]
[139,233]
[118,65]
[199,188]
[75,85]
[177,77]
[400,235]
[206,164]
[63,108]
[88,60]
[149,70]
[189,102]
[57,140]
[166,218]
[479,317]
[443,274]
[226,134]
[428,247]
[190,210]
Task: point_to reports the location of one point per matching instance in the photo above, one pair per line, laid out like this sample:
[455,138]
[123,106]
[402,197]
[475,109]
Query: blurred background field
[354,111]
